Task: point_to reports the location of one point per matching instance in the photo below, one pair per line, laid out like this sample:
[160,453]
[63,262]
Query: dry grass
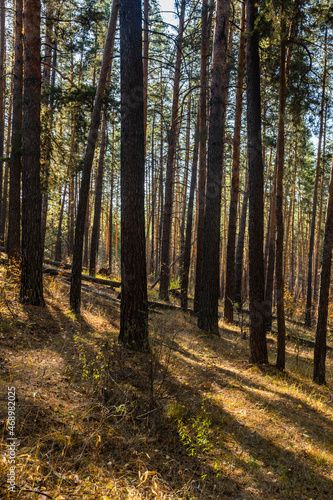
[192,420]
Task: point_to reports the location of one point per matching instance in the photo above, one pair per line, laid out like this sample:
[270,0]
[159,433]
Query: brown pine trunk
[2,102]
[75,293]
[187,244]
[31,264]
[315,198]
[281,339]
[111,204]
[58,246]
[258,344]
[208,309]
[240,248]
[98,202]
[205,32]
[14,215]
[234,194]
[170,169]
[134,305]
[145,63]
[325,281]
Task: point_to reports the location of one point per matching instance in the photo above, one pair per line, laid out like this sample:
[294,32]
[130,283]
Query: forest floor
[190,420]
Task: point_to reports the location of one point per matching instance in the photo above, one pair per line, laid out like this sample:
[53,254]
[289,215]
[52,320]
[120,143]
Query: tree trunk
[234,194]
[58,247]
[2,101]
[315,197]
[208,309]
[111,203]
[240,248]
[281,339]
[325,281]
[258,344]
[134,306]
[14,212]
[31,265]
[187,245]
[98,202]
[75,293]
[202,151]
[170,170]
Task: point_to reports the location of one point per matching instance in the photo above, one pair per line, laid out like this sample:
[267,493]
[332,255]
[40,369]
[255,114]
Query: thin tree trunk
[281,339]
[230,263]
[14,215]
[208,309]
[31,264]
[325,281]
[2,101]
[258,344]
[98,202]
[315,198]
[58,247]
[202,151]
[240,248]
[170,170]
[75,293]
[111,203]
[187,245]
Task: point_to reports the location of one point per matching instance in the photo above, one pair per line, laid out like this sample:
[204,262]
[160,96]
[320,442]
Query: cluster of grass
[191,420]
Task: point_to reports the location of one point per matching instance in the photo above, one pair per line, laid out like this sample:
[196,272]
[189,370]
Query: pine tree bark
[187,245]
[98,202]
[230,263]
[170,169]
[75,293]
[202,151]
[308,314]
[281,339]
[208,309]
[258,344]
[134,305]
[325,281]
[240,247]
[2,101]
[31,291]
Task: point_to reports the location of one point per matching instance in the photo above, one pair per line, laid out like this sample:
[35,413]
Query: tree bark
[14,212]
[134,305]
[31,265]
[240,247]
[234,194]
[315,198]
[187,245]
[170,169]
[2,101]
[325,281]
[258,344]
[75,293]
[98,202]
[208,309]
[281,338]
[202,151]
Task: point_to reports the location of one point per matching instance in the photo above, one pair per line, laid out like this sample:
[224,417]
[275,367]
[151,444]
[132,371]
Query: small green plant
[196,433]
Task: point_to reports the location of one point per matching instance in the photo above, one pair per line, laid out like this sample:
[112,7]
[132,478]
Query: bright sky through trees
[167,9]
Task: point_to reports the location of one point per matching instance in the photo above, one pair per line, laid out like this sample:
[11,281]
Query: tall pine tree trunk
[315,198]
[31,264]
[325,282]
[240,247]
[75,293]
[170,169]
[202,151]
[281,341]
[258,344]
[230,265]
[98,202]
[134,305]
[2,101]
[208,308]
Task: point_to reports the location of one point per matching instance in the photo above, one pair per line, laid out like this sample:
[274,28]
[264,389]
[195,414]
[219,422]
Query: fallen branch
[100,281]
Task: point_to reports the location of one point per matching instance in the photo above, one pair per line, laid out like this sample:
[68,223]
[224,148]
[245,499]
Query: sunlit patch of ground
[190,420]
